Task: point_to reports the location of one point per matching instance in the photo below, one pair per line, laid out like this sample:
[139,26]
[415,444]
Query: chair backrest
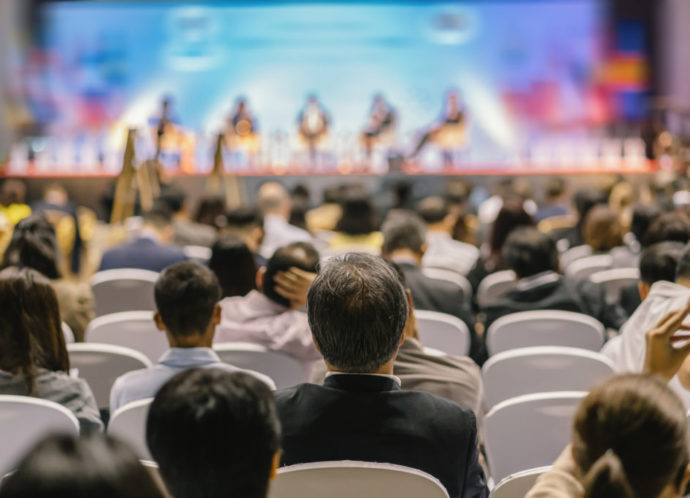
[284,370]
[528,431]
[101,364]
[350,479]
[494,286]
[544,328]
[125,289]
[584,267]
[201,254]
[616,280]
[131,329]
[67,333]
[444,332]
[450,276]
[573,254]
[517,485]
[542,369]
[24,421]
[129,424]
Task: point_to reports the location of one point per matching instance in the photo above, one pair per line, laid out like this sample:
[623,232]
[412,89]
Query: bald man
[274,203]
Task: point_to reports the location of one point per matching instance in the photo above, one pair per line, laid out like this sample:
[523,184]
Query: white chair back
[101,364]
[131,329]
[573,254]
[67,333]
[616,280]
[284,370]
[542,369]
[129,424]
[444,332]
[518,485]
[528,431]
[125,289]
[350,479]
[544,328]
[584,267]
[494,286]
[450,276]
[200,254]
[24,421]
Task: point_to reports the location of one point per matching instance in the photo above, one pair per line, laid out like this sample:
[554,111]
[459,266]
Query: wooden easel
[230,187]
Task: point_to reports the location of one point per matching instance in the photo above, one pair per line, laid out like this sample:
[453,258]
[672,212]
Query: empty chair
[201,254]
[101,364]
[125,289]
[129,424]
[450,276]
[584,267]
[131,329]
[573,254]
[517,485]
[350,479]
[443,332]
[544,328]
[529,431]
[542,369]
[615,280]
[494,286]
[24,421]
[284,370]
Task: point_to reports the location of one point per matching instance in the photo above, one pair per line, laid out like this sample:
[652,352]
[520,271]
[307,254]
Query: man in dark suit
[148,250]
[357,312]
[404,243]
[533,256]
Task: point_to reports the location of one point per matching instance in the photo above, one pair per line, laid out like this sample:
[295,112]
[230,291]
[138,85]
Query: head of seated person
[234,265]
[529,252]
[157,224]
[33,245]
[85,467]
[436,214]
[669,227]
[511,216]
[274,200]
[404,238]
[630,439]
[357,312]
[174,200]
[602,230]
[187,309]
[247,223]
[210,211]
[658,262]
[358,216]
[301,255]
[214,434]
[642,218]
[584,200]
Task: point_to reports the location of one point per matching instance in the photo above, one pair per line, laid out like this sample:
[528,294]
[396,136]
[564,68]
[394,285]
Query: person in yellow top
[357,228]
[12,206]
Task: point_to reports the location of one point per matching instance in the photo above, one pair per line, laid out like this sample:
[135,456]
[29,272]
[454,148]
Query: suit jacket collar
[361,382]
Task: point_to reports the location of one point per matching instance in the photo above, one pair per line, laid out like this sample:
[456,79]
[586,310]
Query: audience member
[326,216]
[214,434]
[33,245]
[555,203]
[273,317]
[248,224]
[187,310]
[300,198]
[442,251]
[149,250]
[403,243]
[275,206]
[357,313]
[603,233]
[668,227]
[210,211]
[533,257]
[186,232]
[33,356]
[642,217]
[357,227]
[583,201]
[12,201]
[234,265]
[62,466]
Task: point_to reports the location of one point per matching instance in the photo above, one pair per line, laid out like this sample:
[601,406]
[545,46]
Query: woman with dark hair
[234,265]
[34,245]
[63,466]
[33,356]
[357,227]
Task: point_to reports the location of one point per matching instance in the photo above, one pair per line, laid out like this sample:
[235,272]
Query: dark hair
[642,218]
[669,227]
[301,255]
[433,209]
[585,200]
[528,252]
[357,311]
[63,466]
[629,438]
[602,229]
[358,216]
[511,216]
[234,265]
[33,245]
[555,187]
[159,216]
[659,262]
[214,434]
[210,211]
[186,294]
[403,230]
[172,198]
[13,192]
[30,327]
[683,268]
[244,217]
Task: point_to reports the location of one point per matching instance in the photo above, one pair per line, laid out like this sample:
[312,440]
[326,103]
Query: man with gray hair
[357,311]
[274,203]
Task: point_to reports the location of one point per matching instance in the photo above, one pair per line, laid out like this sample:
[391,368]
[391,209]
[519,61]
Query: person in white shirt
[187,310]
[275,205]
